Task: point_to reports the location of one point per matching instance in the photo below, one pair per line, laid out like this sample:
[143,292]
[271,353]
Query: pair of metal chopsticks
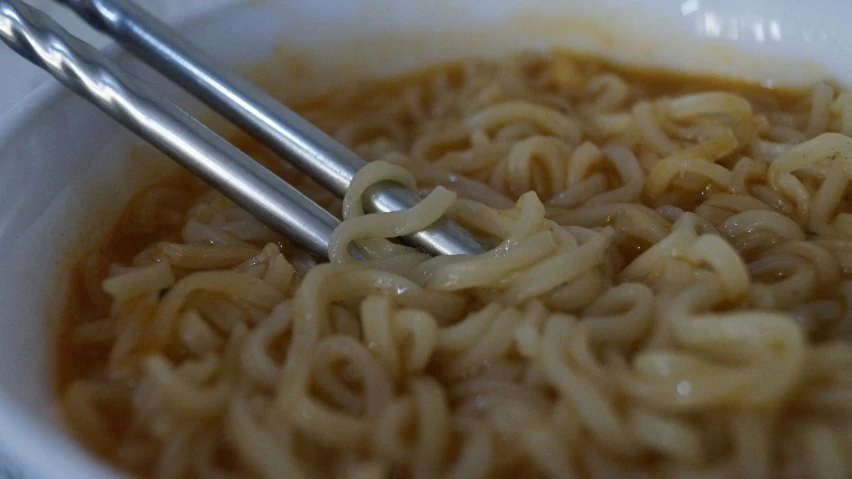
[90,74]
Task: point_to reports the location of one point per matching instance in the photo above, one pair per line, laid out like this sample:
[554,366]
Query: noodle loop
[667,292]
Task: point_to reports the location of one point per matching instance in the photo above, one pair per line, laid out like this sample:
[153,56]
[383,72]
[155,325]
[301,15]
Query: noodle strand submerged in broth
[668,294]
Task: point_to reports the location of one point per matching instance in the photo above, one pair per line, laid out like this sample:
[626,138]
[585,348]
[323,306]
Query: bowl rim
[23,447]
[26,109]
[27,438]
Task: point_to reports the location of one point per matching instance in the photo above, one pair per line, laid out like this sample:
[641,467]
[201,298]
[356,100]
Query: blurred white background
[18,77]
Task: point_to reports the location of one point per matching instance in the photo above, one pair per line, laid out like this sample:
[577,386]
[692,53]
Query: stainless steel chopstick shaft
[87,72]
[319,156]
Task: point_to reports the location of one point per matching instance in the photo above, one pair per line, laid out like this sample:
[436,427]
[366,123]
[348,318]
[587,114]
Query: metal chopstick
[87,72]
[329,163]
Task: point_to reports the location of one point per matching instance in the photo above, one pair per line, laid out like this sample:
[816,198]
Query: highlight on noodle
[668,293]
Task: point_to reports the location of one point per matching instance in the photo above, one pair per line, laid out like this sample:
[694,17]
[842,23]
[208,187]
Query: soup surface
[668,293]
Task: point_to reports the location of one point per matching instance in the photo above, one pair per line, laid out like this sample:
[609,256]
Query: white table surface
[18,78]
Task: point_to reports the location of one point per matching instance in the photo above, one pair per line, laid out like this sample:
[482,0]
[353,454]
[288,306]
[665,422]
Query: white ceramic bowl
[66,169]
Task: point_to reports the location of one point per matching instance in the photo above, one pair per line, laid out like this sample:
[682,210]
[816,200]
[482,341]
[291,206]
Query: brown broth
[126,241]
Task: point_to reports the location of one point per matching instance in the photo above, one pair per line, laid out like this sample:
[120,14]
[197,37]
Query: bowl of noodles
[664,188]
